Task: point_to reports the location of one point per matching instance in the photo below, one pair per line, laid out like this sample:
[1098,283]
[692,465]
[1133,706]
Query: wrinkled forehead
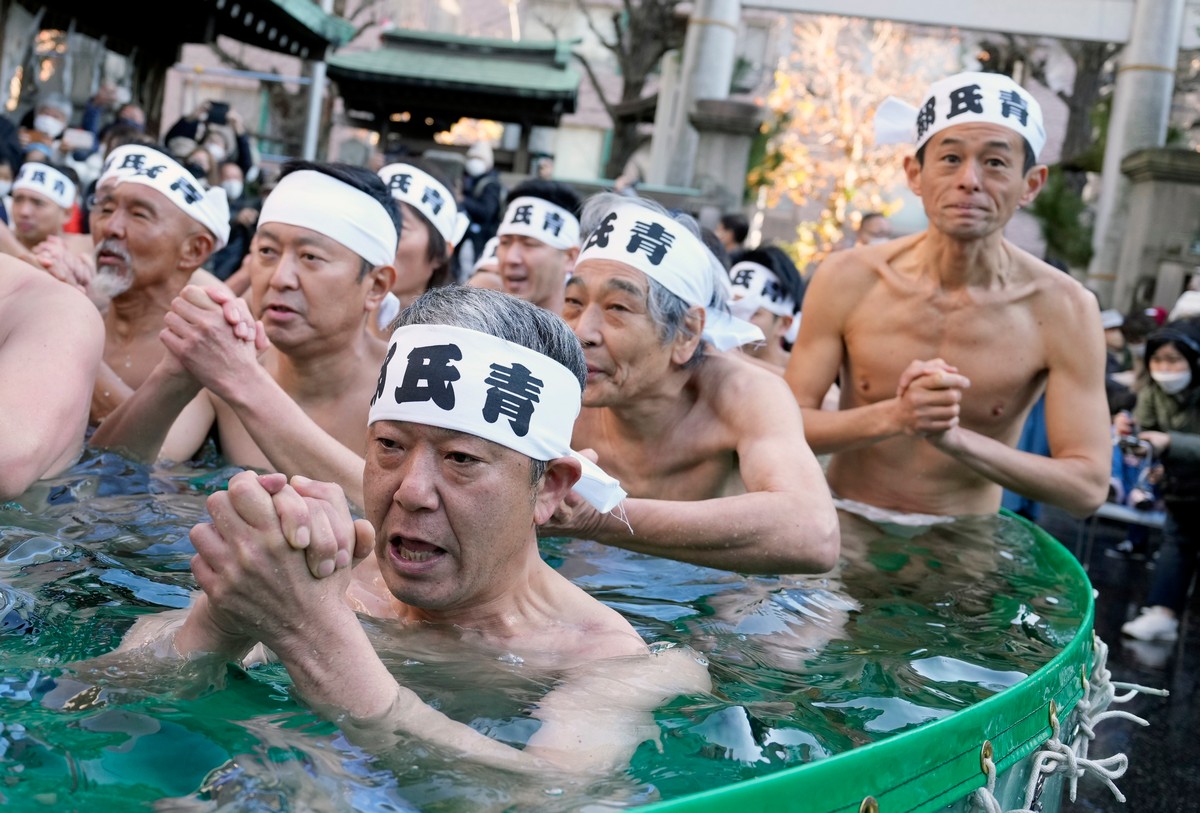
[440,435]
[597,274]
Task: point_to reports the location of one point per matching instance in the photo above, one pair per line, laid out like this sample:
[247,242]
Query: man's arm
[258,588]
[51,346]
[784,523]
[292,441]
[817,358]
[168,414]
[1075,476]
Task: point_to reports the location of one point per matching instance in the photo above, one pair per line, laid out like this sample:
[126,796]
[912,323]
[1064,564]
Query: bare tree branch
[587,67]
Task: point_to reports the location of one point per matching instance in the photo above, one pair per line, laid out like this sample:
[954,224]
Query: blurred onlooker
[244,209]
[50,117]
[627,182]
[8,171]
[544,168]
[1120,357]
[873,228]
[218,129]
[203,165]
[482,196]
[732,230]
[1167,419]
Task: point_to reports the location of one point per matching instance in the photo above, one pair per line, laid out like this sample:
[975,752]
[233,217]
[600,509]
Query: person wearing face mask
[219,130]
[50,118]
[1167,417]
[874,228]
[244,210]
[482,196]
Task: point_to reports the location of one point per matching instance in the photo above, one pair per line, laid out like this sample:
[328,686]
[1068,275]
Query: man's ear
[572,255]
[912,173]
[380,281]
[561,475]
[195,249]
[685,346]
[1035,180]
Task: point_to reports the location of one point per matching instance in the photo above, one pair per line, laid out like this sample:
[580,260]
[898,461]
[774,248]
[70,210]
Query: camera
[217,112]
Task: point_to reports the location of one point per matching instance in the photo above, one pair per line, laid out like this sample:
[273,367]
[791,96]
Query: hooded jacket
[1177,415]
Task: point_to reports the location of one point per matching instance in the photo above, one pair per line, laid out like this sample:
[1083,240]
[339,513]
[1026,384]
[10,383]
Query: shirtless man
[709,446]
[50,342]
[538,241]
[944,340]
[320,264]
[767,291]
[153,226]
[452,515]
[42,201]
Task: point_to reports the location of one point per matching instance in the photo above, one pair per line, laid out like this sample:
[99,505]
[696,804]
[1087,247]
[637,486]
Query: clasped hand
[929,398]
[211,334]
[275,553]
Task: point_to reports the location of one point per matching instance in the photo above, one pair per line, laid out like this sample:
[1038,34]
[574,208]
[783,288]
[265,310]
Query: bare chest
[133,358]
[996,344]
[692,460]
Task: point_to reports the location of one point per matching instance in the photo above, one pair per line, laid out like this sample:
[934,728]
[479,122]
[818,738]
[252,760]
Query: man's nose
[418,485]
[284,274]
[587,325]
[970,174]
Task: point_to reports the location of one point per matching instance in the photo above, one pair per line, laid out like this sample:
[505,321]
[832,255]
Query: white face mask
[233,188]
[216,151]
[5,188]
[476,166]
[1172,383]
[48,125]
[1138,350]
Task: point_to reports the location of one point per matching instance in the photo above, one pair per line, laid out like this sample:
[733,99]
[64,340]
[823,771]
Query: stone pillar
[1162,245]
[726,130]
[709,53]
[1141,105]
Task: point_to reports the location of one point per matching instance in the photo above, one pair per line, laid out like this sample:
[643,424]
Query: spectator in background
[243,210]
[49,119]
[203,166]
[8,171]
[544,169]
[732,230]
[1167,417]
[1119,357]
[873,228]
[217,128]
[482,196]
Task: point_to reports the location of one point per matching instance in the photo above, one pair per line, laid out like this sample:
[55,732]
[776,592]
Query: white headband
[965,98]
[756,286]
[472,382]
[47,181]
[541,220]
[488,258]
[428,196]
[666,252]
[135,163]
[321,203]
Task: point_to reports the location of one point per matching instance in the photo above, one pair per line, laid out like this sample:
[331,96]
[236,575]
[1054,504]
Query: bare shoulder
[1061,302]
[32,294]
[739,390]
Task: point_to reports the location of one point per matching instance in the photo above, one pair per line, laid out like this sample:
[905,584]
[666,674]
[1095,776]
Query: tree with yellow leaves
[821,147]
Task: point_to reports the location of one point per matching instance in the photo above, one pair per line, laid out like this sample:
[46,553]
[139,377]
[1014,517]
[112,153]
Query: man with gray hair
[709,446]
[469,450]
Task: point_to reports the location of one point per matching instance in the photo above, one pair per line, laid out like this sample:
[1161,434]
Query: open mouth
[415,550]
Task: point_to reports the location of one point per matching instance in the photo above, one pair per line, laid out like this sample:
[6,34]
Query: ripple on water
[907,631]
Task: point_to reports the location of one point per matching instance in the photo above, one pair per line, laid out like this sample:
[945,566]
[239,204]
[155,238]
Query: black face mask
[136,125]
[196,170]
